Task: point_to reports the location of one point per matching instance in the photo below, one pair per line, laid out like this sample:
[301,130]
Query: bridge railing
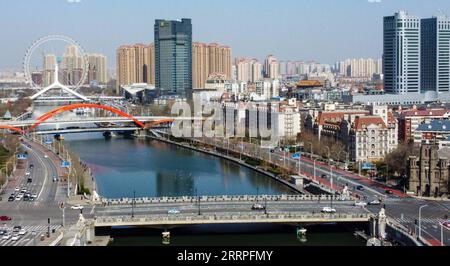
[225,198]
[160,219]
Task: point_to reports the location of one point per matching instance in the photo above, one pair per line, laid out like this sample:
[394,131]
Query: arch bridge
[140,122]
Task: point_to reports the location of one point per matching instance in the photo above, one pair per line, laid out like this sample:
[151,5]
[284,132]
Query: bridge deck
[230,218]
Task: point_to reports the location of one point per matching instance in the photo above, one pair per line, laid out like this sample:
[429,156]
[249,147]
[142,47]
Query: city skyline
[336,42]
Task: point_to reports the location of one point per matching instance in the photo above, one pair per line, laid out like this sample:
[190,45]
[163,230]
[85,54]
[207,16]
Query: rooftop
[435,126]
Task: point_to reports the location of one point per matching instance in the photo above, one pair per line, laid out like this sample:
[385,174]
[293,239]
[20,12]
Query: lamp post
[331,167]
[310,142]
[132,203]
[420,220]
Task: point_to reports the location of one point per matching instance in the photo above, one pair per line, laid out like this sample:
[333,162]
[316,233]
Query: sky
[322,30]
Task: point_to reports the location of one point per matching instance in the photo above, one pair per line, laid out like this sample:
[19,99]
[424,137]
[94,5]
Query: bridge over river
[168,211]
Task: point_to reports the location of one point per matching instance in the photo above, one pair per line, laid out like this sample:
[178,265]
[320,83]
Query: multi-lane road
[33,215]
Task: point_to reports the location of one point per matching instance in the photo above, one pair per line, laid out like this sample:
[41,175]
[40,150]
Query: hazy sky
[321,30]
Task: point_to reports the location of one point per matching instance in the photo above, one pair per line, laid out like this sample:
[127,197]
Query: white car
[17,189]
[328,210]
[375,202]
[173,211]
[46,156]
[77,207]
[27,173]
[6,237]
[15,237]
[360,204]
[22,232]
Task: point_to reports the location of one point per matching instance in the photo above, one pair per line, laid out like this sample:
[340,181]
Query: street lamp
[310,142]
[420,220]
[132,203]
[331,166]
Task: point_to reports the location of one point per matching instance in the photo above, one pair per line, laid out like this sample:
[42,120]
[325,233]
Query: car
[15,237]
[173,211]
[328,210]
[19,197]
[34,196]
[374,202]
[22,232]
[2,232]
[45,156]
[17,189]
[258,207]
[360,204]
[6,237]
[17,228]
[30,180]
[5,218]
[11,198]
[31,166]
[324,176]
[360,188]
[55,179]
[27,173]
[77,207]
[390,192]
[23,191]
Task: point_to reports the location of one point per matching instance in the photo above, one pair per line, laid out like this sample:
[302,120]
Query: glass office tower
[173,57]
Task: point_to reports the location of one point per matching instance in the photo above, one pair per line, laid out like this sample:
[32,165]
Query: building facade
[401,53]
[435,58]
[173,57]
[428,174]
[208,59]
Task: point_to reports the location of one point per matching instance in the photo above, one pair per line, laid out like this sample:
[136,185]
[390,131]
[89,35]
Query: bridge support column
[166,238]
[141,133]
[90,233]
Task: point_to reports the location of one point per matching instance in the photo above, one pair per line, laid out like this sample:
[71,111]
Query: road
[33,216]
[191,208]
[399,206]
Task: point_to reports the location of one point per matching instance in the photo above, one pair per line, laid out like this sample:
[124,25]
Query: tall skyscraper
[97,68]
[209,59]
[435,50]
[401,67]
[173,56]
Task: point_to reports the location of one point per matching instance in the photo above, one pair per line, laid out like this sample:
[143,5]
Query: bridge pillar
[166,238]
[141,133]
[382,224]
[90,233]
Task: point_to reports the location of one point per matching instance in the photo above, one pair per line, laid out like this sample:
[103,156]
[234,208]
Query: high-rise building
[271,67]
[435,49]
[248,70]
[173,56]
[135,64]
[401,56]
[257,68]
[97,68]
[149,64]
[126,66]
[208,59]
[49,69]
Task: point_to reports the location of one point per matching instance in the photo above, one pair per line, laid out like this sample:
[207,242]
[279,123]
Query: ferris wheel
[58,52]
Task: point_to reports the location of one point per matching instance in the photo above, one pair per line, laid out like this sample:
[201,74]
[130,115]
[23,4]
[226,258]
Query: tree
[398,158]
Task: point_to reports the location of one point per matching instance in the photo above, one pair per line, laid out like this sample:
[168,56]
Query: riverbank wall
[295,188]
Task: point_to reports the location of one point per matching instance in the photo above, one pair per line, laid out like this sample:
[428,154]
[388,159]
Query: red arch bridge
[127,121]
